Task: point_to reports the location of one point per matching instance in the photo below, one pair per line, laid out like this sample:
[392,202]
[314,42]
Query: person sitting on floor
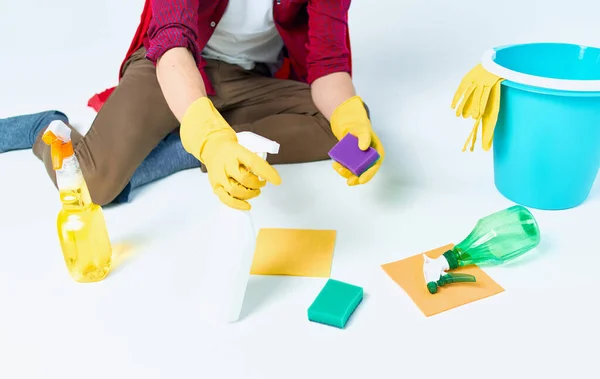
[196,73]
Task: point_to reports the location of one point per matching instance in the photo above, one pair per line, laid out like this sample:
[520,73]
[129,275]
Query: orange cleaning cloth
[408,274]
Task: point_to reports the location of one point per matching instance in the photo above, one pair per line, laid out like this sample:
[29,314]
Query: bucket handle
[488,63]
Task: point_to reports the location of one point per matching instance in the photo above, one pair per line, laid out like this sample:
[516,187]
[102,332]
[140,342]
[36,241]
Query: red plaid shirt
[314,32]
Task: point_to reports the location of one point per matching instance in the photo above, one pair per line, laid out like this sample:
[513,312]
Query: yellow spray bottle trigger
[58,137]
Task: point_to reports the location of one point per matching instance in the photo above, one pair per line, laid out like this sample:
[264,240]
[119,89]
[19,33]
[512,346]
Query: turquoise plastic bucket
[547,139]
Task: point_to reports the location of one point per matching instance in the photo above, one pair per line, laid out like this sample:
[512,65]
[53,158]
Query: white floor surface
[143,321]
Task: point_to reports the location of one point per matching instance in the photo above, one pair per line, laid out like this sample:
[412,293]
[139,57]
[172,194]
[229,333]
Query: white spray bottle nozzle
[434,268]
[60,130]
[258,144]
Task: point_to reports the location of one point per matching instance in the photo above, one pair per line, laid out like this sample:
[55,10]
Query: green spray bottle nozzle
[436,274]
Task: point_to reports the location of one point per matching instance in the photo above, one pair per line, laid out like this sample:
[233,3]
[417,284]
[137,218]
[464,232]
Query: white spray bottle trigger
[433,269]
[60,130]
[258,144]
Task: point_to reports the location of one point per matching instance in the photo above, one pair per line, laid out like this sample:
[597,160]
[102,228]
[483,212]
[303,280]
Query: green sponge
[335,303]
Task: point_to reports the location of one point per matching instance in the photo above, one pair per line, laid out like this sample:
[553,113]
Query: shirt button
[212,24]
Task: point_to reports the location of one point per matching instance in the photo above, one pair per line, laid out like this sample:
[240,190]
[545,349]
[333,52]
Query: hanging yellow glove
[474,90]
[480,95]
[490,116]
[487,120]
[233,170]
[351,117]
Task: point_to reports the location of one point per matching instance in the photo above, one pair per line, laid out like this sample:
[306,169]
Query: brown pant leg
[281,110]
[131,123]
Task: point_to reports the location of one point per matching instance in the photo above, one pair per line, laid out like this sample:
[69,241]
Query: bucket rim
[548,91]
[489,64]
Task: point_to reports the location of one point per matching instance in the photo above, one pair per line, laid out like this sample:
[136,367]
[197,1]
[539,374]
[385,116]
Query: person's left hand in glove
[351,117]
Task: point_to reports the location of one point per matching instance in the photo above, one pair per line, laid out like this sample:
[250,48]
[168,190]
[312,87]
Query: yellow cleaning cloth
[478,97]
[294,252]
[408,274]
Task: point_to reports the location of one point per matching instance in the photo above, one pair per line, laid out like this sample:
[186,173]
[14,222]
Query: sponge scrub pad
[348,154]
[335,303]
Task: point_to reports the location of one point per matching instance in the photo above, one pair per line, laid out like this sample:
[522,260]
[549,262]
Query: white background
[145,321]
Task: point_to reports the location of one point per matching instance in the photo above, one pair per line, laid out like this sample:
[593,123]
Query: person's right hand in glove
[234,172]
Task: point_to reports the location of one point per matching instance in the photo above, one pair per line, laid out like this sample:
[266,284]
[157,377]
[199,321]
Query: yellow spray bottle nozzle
[59,149]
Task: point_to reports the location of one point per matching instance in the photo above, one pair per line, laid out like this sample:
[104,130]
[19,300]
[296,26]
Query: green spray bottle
[496,239]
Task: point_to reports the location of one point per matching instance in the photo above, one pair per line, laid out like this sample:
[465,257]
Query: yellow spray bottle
[81,226]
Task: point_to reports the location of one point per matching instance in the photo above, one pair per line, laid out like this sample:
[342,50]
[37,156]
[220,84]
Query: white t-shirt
[246,35]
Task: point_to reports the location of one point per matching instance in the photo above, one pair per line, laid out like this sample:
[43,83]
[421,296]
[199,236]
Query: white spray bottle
[232,250]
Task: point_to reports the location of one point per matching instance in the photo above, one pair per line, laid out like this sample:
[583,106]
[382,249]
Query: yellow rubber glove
[351,117]
[480,94]
[233,170]
[487,121]
[490,116]
[474,90]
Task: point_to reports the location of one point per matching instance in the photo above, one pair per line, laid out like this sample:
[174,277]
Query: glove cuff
[200,123]
[348,113]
